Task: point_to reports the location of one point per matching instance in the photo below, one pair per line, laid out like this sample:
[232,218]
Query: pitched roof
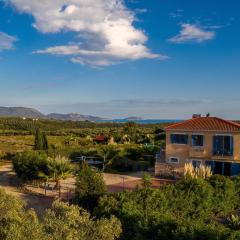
[206,124]
[100,138]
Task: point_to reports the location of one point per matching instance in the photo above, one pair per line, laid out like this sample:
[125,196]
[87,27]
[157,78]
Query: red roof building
[208,141]
[100,138]
[205,124]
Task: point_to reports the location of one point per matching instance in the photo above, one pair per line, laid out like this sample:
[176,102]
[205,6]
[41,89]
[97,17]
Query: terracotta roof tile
[206,124]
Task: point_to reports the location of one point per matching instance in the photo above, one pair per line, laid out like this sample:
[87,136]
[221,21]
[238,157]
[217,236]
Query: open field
[16,143]
[25,142]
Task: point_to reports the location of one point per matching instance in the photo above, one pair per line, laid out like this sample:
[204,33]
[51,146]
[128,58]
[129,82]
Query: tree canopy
[61,222]
[190,209]
[90,186]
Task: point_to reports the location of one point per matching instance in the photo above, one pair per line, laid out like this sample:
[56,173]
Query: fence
[64,192]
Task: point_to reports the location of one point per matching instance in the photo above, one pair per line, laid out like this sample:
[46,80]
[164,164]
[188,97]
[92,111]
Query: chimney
[208,115]
[196,116]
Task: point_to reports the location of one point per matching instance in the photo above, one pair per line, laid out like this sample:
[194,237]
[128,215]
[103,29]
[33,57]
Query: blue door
[224,168]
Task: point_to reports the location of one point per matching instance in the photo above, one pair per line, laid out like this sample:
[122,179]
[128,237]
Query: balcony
[223,155]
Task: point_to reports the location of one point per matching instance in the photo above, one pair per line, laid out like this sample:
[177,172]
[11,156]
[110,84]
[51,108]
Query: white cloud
[104,29]
[6,41]
[192,33]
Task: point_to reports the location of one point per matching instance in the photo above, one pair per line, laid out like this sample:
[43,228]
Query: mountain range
[34,113]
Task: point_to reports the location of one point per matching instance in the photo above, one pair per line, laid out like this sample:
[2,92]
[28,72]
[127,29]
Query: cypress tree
[38,140]
[41,142]
[45,141]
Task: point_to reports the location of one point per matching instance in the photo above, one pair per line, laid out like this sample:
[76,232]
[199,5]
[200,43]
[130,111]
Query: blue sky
[113,58]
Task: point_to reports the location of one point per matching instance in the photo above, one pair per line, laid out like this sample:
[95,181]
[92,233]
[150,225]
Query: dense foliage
[90,186]
[61,222]
[190,209]
[78,128]
[127,146]
[32,165]
[193,208]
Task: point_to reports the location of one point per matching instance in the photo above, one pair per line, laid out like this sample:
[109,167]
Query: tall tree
[89,187]
[45,141]
[41,142]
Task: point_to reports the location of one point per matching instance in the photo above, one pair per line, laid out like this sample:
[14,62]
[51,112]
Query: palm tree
[59,169]
[107,153]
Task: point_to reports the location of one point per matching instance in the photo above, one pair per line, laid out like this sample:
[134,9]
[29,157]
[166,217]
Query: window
[197,140]
[196,163]
[179,138]
[222,145]
[174,160]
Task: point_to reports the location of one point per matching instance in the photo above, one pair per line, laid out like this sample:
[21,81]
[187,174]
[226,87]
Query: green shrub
[141,166]
[28,165]
[90,186]
[226,194]
[186,210]
[61,222]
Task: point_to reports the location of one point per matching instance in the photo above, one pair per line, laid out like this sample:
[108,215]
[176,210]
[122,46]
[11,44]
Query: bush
[186,210]
[122,164]
[226,194]
[197,172]
[28,165]
[90,186]
[141,166]
[31,166]
[62,221]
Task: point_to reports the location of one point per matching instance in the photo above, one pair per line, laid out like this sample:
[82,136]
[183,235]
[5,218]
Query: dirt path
[8,183]
[119,183]
[40,202]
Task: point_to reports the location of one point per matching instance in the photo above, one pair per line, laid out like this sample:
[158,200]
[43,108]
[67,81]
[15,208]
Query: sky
[153,59]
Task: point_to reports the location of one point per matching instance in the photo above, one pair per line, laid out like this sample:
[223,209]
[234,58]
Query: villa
[210,141]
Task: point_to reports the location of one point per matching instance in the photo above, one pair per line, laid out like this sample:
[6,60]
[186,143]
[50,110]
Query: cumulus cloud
[192,33]
[104,29]
[6,41]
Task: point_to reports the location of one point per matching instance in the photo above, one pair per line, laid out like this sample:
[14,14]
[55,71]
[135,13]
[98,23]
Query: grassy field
[19,143]
[15,143]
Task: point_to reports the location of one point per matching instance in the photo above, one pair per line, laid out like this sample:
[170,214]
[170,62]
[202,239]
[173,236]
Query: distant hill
[20,112]
[33,113]
[73,117]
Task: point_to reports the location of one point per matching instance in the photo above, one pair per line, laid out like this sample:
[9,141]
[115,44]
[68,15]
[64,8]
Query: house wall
[186,152]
